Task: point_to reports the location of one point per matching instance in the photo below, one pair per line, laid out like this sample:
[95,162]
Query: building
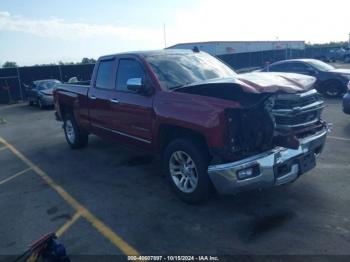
[219,48]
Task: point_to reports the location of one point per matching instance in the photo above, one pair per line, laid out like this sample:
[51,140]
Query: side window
[298,67]
[105,75]
[279,67]
[127,69]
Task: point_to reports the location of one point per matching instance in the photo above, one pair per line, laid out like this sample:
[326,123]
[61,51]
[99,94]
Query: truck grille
[297,110]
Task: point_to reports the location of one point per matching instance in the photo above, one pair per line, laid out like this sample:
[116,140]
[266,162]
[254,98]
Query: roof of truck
[152,52]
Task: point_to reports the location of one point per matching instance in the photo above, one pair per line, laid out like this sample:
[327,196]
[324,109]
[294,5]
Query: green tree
[86,60]
[9,64]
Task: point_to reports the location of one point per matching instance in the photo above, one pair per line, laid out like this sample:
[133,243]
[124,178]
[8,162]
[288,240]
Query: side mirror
[136,85]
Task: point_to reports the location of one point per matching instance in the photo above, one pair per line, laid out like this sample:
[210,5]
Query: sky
[48,31]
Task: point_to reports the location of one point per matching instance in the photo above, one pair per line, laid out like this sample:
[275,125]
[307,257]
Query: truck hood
[263,82]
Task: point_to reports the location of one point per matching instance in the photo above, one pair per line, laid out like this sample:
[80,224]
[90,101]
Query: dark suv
[331,82]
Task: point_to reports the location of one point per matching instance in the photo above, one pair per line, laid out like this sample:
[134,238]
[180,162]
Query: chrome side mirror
[134,84]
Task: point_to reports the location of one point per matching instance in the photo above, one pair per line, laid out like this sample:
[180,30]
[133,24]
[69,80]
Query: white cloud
[59,28]
[208,20]
[202,20]
[315,21]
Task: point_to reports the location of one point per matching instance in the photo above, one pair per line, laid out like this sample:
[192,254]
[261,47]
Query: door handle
[92,97]
[115,101]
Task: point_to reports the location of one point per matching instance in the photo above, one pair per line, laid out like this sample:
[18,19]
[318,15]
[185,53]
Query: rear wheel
[186,164]
[75,136]
[333,88]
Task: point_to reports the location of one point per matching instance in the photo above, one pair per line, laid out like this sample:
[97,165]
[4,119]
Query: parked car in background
[214,128]
[347,55]
[332,55]
[336,54]
[40,92]
[331,81]
[346,101]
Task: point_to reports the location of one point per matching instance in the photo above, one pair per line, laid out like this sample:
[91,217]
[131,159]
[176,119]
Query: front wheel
[186,164]
[333,89]
[75,136]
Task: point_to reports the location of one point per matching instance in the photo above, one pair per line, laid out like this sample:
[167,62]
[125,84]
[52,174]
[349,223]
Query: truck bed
[73,96]
[79,89]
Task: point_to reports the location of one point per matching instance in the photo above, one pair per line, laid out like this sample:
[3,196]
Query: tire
[333,89]
[75,136]
[183,159]
[30,103]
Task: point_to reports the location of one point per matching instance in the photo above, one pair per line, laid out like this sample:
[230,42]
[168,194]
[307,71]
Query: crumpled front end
[274,142]
[272,137]
[274,167]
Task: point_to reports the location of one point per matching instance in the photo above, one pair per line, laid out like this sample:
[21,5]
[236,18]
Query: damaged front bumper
[272,168]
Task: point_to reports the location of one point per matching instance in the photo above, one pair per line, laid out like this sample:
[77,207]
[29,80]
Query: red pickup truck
[215,130]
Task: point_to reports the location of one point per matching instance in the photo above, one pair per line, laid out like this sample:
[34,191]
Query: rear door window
[105,75]
[298,67]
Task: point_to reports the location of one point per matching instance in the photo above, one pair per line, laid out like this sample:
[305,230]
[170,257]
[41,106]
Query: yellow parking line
[14,176]
[67,225]
[98,224]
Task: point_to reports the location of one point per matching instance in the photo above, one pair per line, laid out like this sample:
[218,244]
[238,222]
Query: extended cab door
[134,112]
[115,111]
[99,97]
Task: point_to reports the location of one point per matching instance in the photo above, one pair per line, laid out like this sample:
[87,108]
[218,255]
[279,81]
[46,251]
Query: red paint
[142,116]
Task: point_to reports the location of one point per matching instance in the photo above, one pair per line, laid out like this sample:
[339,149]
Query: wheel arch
[168,133]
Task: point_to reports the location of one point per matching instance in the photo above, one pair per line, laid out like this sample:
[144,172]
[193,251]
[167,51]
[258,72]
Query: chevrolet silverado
[214,129]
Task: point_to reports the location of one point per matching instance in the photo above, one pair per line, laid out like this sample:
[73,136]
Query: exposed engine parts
[277,121]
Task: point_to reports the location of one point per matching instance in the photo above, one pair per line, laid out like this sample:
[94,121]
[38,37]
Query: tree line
[85,60]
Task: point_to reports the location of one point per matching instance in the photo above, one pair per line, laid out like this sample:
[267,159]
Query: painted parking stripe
[68,224]
[106,231]
[339,138]
[14,176]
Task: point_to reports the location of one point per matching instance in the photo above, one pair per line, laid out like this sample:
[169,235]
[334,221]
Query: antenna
[164,32]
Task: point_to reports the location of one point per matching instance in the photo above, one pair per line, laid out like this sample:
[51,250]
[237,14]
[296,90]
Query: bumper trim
[225,179]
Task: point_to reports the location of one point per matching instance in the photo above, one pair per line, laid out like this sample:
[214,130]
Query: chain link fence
[14,80]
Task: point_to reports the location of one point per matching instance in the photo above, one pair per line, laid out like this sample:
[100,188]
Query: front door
[135,111]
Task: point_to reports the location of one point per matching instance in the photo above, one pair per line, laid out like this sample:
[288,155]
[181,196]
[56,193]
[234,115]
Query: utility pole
[164,33]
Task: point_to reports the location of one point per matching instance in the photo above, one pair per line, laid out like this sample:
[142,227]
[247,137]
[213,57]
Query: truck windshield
[176,70]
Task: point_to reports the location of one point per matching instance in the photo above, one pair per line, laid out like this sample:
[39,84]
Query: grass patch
[2,120]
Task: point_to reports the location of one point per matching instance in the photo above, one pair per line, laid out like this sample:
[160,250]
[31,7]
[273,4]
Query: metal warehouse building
[219,48]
